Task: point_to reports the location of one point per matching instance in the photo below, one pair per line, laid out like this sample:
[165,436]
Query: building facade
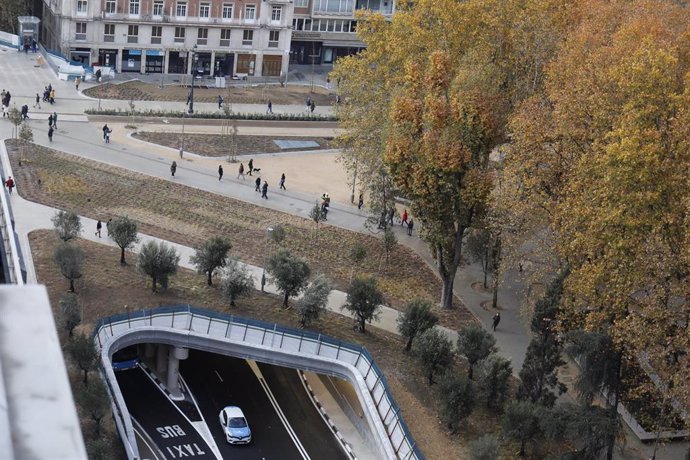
[207,37]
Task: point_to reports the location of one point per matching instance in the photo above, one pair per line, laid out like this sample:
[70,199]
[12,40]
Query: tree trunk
[486,275]
[447,290]
[408,345]
[86,377]
[209,280]
[285,299]
[153,283]
[614,409]
[362,325]
[431,378]
[122,257]
[494,300]
[232,300]
[470,372]
[71,285]
[522,448]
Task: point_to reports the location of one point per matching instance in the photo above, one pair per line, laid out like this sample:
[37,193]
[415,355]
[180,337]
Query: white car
[235,425]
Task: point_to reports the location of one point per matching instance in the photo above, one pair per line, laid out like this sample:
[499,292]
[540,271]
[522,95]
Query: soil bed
[214,145]
[140,91]
[189,216]
[108,288]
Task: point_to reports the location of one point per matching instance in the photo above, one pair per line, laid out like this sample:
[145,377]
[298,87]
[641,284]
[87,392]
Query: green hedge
[213,116]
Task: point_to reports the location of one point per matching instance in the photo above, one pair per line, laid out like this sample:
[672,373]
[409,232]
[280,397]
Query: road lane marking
[218,375]
[281,415]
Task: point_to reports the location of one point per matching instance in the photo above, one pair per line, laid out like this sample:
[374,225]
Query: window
[323,25]
[338,26]
[158,8]
[204,10]
[181,9]
[227,10]
[276,13]
[224,37]
[273,38]
[245,63]
[82,7]
[109,32]
[249,12]
[81,31]
[132,34]
[179,34]
[110,6]
[156,35]
[301,3]
[202,36]
[247,37]
[134,7]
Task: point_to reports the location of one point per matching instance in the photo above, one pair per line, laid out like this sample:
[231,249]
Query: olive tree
[310,306]
[236,281]
[456,396]
[67,225]
[123,231]
[94,402]
[158,260]
[70,312]
[475,344]
[69,259]
[434,351]
[83,354]
[363,301]
[416,319]
[494,380]
[357,255]
[290,273]
[210,256]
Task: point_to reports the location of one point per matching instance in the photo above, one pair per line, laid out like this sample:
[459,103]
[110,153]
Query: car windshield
[237,422]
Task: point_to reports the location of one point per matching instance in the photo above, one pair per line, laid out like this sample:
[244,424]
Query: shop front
[80,55]
[246,63]
[177,62]
[224,64]
[272,65]
[107,58]
[155,61]
[305,52]
[131,60]
[202,63]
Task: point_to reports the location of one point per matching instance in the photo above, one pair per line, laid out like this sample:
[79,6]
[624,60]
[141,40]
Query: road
[217,381]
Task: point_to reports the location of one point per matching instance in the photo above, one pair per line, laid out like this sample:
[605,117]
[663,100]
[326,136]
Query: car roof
[233,411]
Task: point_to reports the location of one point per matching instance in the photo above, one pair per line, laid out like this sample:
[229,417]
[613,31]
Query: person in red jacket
[10,184]
[403,220]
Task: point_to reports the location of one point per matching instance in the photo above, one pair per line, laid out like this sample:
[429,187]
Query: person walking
[269,108]
[264,190]
[250,165]
[220,172]
[107,225]
[282,182]
[50,120]
[55,120]
[497,319]
[173,168]
[360,203]
[10,184]
[25,112]
[99,225]
[403,219]
[312,106]
[258,184]
[410,226]
[241,172]
[391,215]
[37,105]
[308,103]
[220,102]
[77,81]
[106,130]
[50,134]
[52,96]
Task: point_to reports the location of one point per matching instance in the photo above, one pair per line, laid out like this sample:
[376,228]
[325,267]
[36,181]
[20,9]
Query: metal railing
[184,319]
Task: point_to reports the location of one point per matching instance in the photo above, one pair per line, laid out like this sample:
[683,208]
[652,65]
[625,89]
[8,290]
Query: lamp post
[191,93]
[269,230]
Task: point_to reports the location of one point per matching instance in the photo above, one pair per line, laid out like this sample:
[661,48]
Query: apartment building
[324,30]
[207,37]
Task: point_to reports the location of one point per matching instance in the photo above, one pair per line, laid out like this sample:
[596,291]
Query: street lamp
[191,93]
[269,230]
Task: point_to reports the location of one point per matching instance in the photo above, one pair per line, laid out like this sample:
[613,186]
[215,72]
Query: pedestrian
[497,319]
[2,95]
[107,225]
[282,182]
[410,226]
[258,184]
[37,105]
[106,134]
[99,225]
[173,168]
[250,165]
[220,172]
[25,112]
[270,107]
[4,111]
[50,134]
[55,120]
[308,103]
[220,102]
[52,96]
[105,130]
[98,75]
[8,97]
[391,215]
[360,203]
[77,81]
[181,152]
[34,46]
[328,82]
[312,106]
[264,190]
[241,172]
[10,184]
[50,120]
[403,220]
[46,94]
